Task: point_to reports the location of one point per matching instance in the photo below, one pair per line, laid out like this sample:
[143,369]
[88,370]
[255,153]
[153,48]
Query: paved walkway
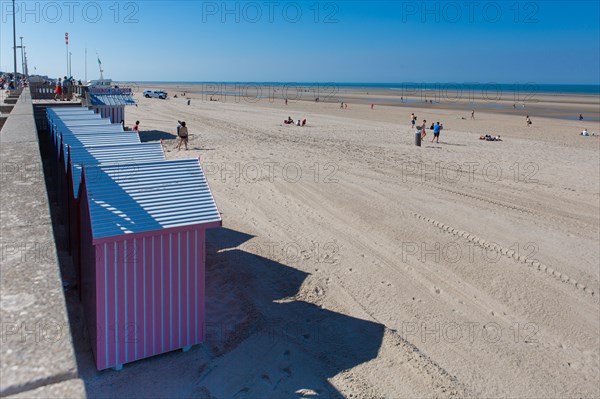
[36,351]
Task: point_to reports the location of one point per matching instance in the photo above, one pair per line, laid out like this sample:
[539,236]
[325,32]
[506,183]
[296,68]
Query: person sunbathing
[487,137]
[289,121]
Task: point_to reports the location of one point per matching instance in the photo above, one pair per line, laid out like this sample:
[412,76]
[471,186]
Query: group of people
[182,132]
[437,127]
[290,121]
[135,128]
[62,90]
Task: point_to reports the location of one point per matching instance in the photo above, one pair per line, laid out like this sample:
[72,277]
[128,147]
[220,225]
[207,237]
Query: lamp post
[25,62]
[67,44]
[70,74]
[15,44]
[22,56]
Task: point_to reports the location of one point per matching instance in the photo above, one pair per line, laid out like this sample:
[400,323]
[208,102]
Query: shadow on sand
[155,135]
[262,340]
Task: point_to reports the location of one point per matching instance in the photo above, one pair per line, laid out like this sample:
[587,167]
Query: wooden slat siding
[116,114]
[157,295]
[121,347]
[131,285]
[175,292]
[132,321]
[148,296]
[103,308]
[193,286]
[111,315]
[140,314]
[184,268]
[92,284]
[200,316]
[75,240]
[166,301]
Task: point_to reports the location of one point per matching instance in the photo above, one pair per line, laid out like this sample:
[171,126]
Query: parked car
[155,93]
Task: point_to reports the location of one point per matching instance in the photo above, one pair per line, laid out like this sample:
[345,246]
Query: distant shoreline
[526,89]
[564,106]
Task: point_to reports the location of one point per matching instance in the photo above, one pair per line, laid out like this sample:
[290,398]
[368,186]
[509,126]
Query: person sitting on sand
[299,122]
[289,121]
[527,121]
[584,133]
[303,122]
[182,132]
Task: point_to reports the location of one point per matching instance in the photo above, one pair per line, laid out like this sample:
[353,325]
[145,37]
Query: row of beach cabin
[136,227]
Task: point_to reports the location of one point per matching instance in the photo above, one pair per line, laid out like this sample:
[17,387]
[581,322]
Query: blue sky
[309,41]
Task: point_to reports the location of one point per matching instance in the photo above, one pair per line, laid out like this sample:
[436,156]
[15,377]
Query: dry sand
[353,263]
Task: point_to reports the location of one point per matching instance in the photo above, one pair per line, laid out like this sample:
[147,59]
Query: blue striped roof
[60,125]
[100,138]
[111,100]
[144,197]
[112,154]
[59,110]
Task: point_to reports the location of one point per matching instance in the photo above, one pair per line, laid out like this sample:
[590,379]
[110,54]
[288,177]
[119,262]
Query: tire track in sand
[489,245]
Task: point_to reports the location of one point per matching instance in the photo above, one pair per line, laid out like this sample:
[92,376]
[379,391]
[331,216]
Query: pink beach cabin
[143,253]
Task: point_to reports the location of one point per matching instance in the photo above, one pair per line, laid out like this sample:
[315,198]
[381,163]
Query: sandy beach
[354,264]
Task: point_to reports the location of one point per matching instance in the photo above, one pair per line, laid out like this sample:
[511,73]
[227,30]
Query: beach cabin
[109,102]
[119,155]
[143,254]
[78,128]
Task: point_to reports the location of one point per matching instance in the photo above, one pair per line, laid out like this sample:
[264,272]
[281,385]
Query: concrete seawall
[36,350]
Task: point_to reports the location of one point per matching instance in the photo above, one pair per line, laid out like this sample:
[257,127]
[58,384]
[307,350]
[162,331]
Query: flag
[99,62]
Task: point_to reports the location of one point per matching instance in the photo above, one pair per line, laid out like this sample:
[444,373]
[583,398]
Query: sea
[528,88]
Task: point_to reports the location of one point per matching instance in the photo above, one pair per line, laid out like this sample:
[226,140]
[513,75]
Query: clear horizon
[546,42]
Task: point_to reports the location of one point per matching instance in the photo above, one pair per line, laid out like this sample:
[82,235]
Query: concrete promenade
[37,359]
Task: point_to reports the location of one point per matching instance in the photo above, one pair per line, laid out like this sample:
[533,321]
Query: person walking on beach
[580,117]
[182,133]
[436,132]
[423,127]
[413,120]
[472,114]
